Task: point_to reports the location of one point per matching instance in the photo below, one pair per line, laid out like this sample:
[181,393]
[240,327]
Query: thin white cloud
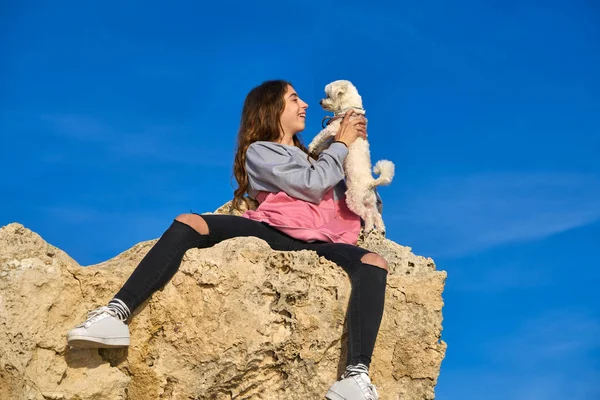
[550,338]
[80,227]
[548,357]
[495,383]
[556,351]
[79,127]
[76,215]
[496,278]
[462,215]
[151,142]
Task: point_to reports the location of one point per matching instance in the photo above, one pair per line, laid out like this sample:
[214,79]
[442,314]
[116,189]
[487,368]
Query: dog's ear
[340,90]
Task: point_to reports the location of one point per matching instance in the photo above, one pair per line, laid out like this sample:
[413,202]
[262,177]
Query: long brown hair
[260,121]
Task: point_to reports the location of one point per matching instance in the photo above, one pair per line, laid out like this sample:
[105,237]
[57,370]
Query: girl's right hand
[351,128]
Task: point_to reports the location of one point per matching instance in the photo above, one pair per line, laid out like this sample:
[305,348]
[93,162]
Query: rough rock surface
[239,321]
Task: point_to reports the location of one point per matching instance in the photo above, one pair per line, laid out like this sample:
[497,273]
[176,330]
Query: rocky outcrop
[239,321]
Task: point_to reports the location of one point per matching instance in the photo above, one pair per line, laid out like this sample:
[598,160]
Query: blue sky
[117,116]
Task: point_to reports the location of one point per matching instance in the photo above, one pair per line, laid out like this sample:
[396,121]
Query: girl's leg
[365,309]
[163,260]
[105,328]
[368,275]
[158,266]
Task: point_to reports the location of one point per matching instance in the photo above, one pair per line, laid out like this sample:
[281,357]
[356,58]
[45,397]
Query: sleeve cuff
[338,149]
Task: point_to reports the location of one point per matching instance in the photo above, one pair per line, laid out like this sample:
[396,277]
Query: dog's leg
[369,226]
[317,144]
[372,221]
[379,221]
[356,204]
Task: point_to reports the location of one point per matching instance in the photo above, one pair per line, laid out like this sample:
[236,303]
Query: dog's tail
[385,170]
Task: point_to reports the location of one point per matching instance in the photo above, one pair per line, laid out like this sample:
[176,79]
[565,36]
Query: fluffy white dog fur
[360,195]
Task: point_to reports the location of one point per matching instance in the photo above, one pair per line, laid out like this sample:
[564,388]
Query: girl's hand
[351,128]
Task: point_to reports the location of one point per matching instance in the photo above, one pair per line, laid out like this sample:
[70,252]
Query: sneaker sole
[333,396]
[94,342]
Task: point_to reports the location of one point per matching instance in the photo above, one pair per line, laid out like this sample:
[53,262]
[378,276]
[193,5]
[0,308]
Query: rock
[239,321]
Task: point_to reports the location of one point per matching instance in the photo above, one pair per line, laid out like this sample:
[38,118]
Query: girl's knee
[195,221]
[376,260]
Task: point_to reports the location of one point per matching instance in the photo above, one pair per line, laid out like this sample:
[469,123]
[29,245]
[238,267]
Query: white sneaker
[103,328]
[354,385]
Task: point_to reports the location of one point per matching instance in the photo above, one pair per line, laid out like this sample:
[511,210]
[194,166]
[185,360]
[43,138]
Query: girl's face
[293,117]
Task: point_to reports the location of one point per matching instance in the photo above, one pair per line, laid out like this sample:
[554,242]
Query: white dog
[360,195]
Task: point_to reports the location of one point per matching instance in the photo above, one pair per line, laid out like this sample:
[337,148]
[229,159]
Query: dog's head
[341,96]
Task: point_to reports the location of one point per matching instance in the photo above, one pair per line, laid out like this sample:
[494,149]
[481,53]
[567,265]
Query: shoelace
[360,369]
[96,314]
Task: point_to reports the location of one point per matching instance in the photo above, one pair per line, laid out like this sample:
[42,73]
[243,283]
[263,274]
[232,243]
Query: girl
[301,207]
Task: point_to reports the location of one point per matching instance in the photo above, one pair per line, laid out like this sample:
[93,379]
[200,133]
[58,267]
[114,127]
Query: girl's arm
[273,168]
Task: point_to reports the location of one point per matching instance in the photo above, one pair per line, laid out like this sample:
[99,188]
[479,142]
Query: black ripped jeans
[365,309]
